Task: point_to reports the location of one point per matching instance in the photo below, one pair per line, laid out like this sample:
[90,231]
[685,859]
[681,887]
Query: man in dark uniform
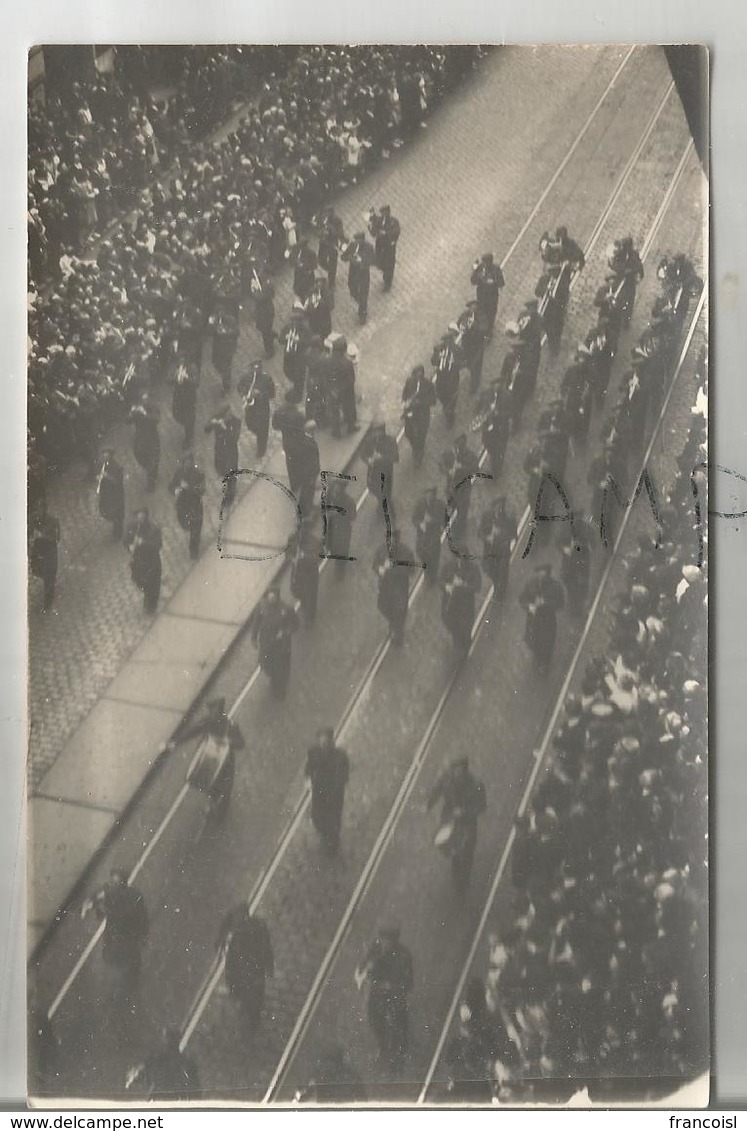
[388,969]
[542,597]
[459,463]
[360,256]
[385,230]
[462,797]
[531,330]
[460,582]
[487,277]
[337,523]
[147,442]
[342,387]
[110,492]
[218,724]
[295,337]
[331,237]
[257,390]
[188,487]
[472,338]
[247,949]
[428,518]
[380,452]
[305,465]
[263,293]
[445,358]
[43,556]
[494,421]
[288,420]
[123,908]
[143,540]
[272,625]
[318,392]
[170,1074]
[319,310]
[498,530]
[225,329]
[327,768]
[226,427]
[304,579]
[418,397]
[184,400]
[394,584]
[304,266]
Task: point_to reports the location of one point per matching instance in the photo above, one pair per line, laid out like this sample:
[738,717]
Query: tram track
[364,684]
[261,886]
[542,751]
[407,786]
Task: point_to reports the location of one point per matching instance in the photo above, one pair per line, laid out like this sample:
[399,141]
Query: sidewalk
[102,766]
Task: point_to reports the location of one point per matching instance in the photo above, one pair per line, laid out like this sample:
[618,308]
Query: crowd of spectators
[601,978]
[104,315]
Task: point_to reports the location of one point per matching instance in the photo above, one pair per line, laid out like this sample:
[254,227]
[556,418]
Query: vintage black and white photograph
[368,555]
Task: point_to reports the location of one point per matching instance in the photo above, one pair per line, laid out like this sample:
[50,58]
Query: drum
[208,762]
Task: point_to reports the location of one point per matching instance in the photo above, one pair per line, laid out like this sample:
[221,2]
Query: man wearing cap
[304,259]
[244,941]
[295,337]
[343,408]
[318,391]
[394,584]
[226,426]
[263,293]
[460,465]
[272,625]
[304,578]
[418,397]
[188,487]
[472,339]
[385,230]
[218,724]
[498,531]
[487,277]
[576,388]
[360,256]
[428,518]
[327,768]
[257,389]
[380,452]
[445,359]
[110,493]
[531,331]
[121,907]
[542,597]
[319,310]
[462,798]
[225,329]
[494,420]
[305,465]
[388,969]
[146,442]
[143,540]
[460,584]
[184,400]
[331,237]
